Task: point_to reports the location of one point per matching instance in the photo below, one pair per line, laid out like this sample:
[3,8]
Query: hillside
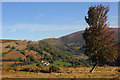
[66,49]
[75,38]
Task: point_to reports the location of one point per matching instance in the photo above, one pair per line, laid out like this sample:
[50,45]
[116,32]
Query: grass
[80,72]
[83,57]
[60,63]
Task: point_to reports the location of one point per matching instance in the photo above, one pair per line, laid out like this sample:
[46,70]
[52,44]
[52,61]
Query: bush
[44,70]
[27,69]
[15,68]
[21,59]
[23,52]
[17,49]
[38,65]
[118,70]
[6,68]
[30,58]
[8,46]
[54,69]
[79,66]
[9,69]
[105,65]
[13,47]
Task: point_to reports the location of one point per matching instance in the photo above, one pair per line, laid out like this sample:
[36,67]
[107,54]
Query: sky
[41,20]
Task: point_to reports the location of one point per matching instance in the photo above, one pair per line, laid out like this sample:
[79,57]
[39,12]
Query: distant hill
[66,48]
[74,39]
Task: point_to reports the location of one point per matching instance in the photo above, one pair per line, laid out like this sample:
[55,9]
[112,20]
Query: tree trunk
[93,68]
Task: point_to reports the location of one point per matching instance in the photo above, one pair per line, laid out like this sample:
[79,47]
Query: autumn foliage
[99,39]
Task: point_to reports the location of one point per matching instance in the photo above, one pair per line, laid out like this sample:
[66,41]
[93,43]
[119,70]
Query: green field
[83,57]
[60,63]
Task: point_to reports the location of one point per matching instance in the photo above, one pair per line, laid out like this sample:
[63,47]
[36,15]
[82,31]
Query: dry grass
[32,53]
[14,55]
[9,63]
[18,44]
[81,72]
[44,52]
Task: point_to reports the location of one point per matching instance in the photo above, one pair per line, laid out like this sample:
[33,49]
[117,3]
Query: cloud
[38,27]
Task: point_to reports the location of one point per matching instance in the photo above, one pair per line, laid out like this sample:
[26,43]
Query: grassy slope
[72,40]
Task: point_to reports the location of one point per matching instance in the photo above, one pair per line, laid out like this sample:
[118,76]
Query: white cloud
[38,27]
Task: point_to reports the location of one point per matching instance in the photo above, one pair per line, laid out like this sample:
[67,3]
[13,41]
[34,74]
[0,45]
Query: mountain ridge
[115,29]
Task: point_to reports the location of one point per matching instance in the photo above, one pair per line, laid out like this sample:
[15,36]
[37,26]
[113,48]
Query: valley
[64,55]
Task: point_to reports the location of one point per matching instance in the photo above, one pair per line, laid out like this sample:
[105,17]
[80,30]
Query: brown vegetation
[79,72]
[14,55]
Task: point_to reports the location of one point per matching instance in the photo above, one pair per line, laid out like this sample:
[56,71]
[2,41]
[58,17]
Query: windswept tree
[99,39]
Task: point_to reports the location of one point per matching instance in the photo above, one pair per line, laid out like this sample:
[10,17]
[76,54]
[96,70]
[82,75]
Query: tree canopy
[99,39]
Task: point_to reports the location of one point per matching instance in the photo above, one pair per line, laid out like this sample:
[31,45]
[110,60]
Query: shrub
[21,59]
[23,52]
[5,67]
[118,70]
[15,69]
[45,70]
[38,65]
[79,66]
[17,49]
[8,46]
[105,65]
[25,69]
[10,68]
[13,47]
[54,69]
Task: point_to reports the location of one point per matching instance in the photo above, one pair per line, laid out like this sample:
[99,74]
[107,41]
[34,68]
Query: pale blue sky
[41,20]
